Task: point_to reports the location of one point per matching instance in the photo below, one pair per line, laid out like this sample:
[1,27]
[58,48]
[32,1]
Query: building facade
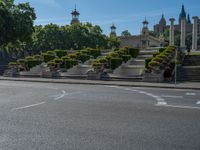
[161,27]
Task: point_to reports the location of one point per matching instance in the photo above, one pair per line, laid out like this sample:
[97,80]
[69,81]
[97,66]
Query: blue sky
[126,14]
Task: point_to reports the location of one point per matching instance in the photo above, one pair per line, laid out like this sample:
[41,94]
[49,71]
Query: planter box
[154,77]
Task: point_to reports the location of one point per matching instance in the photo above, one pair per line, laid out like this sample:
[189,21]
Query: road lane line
[190,94]
[198,103]
[171,96]
[24,107]
[183,107]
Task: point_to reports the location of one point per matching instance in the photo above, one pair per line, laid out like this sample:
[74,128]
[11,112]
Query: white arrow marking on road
[33,105]
[198,103]
[190,94]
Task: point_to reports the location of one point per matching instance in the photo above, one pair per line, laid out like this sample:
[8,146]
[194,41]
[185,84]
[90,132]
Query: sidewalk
[182,85]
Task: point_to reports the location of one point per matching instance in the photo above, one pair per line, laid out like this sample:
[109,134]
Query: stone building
[143,40]
[162,26]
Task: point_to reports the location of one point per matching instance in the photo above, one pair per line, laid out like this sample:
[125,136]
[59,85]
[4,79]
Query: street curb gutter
[107,83]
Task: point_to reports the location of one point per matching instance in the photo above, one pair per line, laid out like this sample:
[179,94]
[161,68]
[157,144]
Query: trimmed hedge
[32,63]
[47,57]
[147,60]
[115,62]
[83,57]
[134,52]
[68,63]
[126,58]
[60,53]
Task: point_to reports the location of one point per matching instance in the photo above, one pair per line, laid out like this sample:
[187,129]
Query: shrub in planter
[47,57]
[161,50]
[94,52]
[32,63]
[153,64]
[50,52]
[29,58]
[38,57]
[134,52]
[83,57]
[103,60]
[52,64]
[113,54]
[98,66]
[60,53]
[126,58]
[57,60]
[65,58]
[12,64]
[72,56]
[84,51]
[158,59]
[115,62]
[70,63]
[155,54]
[21,61]
[147,60]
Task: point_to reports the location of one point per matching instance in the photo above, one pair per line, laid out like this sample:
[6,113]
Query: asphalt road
[45,116]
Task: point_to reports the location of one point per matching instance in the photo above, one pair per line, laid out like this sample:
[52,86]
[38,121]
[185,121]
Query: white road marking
[198,103]
[190,94]
[24,107]
[161,103]
[183,107]
[171,96]
[60,96]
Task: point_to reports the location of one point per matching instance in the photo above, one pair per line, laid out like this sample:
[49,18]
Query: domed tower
[113,31]
[182,14]
[145,30]
[75,16]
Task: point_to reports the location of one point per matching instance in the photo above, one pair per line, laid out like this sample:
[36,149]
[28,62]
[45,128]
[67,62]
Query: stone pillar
[183,32]
[171,33]
[194,33]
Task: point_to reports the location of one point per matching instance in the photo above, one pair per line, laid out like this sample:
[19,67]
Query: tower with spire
[145,30]
[113,31]
[75,16]
[182,14]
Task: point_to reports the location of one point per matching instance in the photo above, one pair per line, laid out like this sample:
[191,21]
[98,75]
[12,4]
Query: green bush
[115,62]
[155,54]
[47,57]
[51,64]
[29,58]
[126,58]
[103,60]
[134,52]
[158,59]
[32,63]
[60,53]
[153,64]
[147,60]
[22,61]
[57,60]
[113,54]
[94,52]
[50,52]
[38,57]
[161,49]
[12,64]
[72,56]
[84,51]
[70,63]
[83,57]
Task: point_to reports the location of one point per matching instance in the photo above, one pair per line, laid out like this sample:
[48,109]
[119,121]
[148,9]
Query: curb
[93,82]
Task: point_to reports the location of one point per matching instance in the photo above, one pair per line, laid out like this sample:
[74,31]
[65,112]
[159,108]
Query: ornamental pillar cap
[171,19]
[195,17]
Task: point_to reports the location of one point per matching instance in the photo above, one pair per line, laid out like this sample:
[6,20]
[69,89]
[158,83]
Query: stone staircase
[190,70]
[136,66]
